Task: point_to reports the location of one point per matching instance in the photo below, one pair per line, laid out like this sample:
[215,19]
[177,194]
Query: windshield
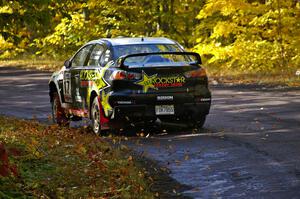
[144,48]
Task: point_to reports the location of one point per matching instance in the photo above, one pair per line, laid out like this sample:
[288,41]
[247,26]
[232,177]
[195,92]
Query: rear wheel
[58,113]
[95,116]
[199,123]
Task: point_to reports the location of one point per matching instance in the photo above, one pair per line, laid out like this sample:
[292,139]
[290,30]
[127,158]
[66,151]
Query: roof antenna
[142,38]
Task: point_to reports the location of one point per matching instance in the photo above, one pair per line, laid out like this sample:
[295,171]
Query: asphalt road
[249,148]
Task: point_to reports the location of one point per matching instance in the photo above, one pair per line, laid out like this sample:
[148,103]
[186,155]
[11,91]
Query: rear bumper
[188,111]
[141,106]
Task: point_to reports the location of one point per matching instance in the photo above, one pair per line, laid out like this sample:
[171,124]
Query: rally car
[119,82]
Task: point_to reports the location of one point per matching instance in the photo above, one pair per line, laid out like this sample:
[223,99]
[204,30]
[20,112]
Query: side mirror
[67,63]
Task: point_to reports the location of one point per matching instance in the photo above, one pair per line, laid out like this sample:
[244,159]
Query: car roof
[135,40]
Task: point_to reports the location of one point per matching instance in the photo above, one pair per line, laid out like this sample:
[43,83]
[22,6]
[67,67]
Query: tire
[199,123]
[58,114]
[95,116]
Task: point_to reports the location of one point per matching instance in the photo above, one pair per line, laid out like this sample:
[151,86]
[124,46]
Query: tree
[250,35]
[21,22]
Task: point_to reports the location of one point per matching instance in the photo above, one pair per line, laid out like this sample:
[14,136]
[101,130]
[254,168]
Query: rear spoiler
[120,61]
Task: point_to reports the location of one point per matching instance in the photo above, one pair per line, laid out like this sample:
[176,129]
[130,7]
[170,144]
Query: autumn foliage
[237,39]
[246,35]
[51,162]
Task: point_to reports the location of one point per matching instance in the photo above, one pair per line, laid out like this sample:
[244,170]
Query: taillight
[118,75]
[196,73]
[121,74]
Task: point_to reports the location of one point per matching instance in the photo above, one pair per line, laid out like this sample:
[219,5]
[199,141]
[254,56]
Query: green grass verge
[54,162]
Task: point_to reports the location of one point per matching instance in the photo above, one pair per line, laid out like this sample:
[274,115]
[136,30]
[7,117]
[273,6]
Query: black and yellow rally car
[130,81]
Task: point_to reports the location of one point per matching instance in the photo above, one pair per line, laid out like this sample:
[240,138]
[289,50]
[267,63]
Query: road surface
[249,147]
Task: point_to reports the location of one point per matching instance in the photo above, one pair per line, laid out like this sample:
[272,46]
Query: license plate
[164,110]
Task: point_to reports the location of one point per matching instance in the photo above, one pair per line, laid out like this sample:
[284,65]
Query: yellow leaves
[219,52]
[6,9]
[252,37]
[224,29]
[260,53]
[92,4]
[68,32]
[5,47]
[225,7]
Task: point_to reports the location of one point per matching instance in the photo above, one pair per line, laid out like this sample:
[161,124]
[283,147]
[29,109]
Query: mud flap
[103,120]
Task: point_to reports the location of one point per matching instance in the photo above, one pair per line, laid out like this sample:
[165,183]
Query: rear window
[156,60]
[144,48]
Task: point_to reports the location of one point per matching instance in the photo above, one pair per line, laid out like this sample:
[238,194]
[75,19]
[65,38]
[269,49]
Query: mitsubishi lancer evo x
[120,82]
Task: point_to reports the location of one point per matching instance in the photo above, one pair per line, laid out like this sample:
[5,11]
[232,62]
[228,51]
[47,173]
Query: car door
[72,77]
[90,76]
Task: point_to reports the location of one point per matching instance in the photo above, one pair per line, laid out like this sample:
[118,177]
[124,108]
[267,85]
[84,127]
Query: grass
[54,162]
[35,64]
[273,78]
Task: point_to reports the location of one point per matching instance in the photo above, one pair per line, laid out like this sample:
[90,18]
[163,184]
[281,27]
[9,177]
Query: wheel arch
[52,89]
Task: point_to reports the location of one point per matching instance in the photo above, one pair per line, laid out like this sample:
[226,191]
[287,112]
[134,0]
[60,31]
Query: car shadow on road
[159,132]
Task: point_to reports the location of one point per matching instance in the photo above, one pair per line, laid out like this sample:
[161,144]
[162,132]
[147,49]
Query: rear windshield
[143,48]
[156,60]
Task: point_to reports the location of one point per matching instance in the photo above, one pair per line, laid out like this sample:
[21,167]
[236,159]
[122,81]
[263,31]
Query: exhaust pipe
[160,123]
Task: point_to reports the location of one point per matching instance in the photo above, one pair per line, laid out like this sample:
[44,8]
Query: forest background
[236,36]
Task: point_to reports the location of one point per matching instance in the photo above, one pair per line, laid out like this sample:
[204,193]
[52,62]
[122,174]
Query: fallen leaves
[53,160]
[80,149]
[186,157]
[130,158]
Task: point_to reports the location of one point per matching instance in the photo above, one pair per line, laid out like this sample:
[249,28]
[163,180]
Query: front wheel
[95,116]
[58,113]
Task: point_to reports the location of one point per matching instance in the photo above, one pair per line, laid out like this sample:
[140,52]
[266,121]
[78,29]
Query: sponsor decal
[90,78]
[147,82]
[173,81]
[164,98]
[105,104]
[93,80]
[158,82]
[89,74]
[124,102]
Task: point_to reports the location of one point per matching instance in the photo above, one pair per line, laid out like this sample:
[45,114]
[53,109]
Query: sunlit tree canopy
[251,35]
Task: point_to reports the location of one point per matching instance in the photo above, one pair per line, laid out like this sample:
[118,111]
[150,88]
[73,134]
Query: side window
[80,57]
[105,58]
[95,55]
